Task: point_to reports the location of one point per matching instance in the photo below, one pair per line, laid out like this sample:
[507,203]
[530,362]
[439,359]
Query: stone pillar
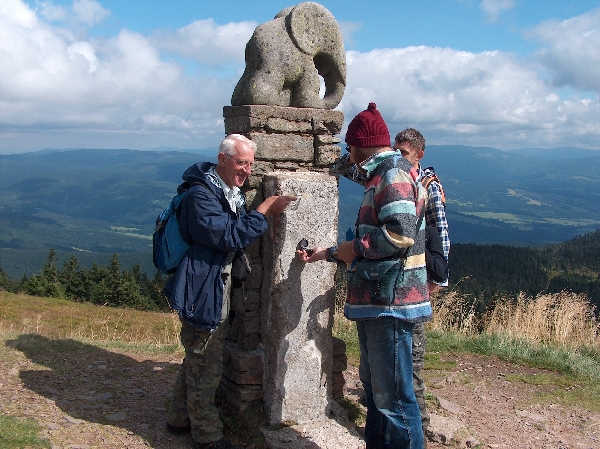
[280,349]
[298,301]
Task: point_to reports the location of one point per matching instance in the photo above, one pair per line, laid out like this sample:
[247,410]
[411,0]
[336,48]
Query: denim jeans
[386,372]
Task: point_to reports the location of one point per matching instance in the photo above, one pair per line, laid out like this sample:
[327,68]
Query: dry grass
[452,313]
[562,319]
[60,319]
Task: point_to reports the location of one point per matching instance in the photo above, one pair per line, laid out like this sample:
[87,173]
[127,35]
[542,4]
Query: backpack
[429,178]
[168,246]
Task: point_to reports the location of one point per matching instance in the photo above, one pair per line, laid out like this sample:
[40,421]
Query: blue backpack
[168,246]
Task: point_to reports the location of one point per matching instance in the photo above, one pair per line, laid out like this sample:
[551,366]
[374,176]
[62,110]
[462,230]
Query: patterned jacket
[435,209]
[386,226]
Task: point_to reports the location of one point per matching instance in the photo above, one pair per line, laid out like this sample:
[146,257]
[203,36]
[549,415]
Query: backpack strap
[429,178]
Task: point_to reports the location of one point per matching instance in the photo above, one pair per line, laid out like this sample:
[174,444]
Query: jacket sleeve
[209,222]
[435,215]
[343,167]
[437,266]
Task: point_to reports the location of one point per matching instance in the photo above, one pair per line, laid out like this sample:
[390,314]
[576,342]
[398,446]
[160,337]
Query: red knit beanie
[368,129]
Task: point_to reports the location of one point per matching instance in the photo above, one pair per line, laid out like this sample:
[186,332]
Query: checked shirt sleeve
[435,215]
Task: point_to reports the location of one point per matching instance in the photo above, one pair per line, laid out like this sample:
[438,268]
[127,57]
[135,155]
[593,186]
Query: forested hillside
[92,204]
[487,271]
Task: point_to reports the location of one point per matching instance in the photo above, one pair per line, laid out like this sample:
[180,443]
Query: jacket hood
[198,173]
[376,159]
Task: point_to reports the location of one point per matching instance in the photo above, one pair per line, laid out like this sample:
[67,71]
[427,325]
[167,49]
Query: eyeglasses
[244,164]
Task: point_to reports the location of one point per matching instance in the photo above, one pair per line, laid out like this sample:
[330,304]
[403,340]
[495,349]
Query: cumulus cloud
[488,98]
[348,29]
[207,42]
[52,12]
[572,50]
[54,81]
[89,12]
[493,8]
[62,88]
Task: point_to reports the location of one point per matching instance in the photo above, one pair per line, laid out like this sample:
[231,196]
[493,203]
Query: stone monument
[281,350]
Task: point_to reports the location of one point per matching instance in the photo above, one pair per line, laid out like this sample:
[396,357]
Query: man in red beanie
[387,282]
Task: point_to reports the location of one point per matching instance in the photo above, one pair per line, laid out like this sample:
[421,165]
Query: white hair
[228,144]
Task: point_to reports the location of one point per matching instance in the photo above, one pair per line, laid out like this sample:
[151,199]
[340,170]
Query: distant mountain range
[87,201]
[517,197]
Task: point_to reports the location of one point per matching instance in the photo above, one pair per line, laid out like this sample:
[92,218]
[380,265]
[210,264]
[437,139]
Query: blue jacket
[207,222]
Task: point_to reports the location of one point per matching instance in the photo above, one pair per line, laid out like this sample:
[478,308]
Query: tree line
[485,272]
[103,285]
[481,272]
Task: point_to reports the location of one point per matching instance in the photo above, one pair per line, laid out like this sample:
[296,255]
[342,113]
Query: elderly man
[390,239]
[215,221]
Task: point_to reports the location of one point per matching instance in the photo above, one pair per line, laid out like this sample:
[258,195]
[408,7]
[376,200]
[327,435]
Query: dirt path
[488,410]
[86,397]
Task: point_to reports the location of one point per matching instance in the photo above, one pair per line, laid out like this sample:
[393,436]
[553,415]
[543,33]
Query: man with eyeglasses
[215,222]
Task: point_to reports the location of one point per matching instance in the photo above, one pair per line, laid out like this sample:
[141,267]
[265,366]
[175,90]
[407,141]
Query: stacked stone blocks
[291,140]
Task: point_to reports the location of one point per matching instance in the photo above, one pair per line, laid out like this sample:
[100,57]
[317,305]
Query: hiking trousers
[193,401]
[418,352]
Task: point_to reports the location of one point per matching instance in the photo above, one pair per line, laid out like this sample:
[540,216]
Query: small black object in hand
[303,246]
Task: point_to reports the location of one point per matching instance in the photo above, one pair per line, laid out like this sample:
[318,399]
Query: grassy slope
[574,378]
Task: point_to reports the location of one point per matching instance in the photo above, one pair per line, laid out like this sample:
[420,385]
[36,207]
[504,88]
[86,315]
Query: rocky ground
[475,405]
[86,397]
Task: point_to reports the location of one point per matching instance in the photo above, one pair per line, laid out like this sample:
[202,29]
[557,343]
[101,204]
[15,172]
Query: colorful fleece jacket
[386,227]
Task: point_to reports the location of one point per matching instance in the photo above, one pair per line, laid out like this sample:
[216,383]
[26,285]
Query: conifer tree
[5,282]
[46,283]
[73,280]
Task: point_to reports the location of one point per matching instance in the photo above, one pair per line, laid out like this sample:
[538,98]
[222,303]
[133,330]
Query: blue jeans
[386,372]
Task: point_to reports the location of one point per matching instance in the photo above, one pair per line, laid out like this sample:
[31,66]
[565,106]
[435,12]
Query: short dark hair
[414,138]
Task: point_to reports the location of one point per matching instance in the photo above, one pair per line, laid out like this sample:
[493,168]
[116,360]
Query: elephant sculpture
[285,56]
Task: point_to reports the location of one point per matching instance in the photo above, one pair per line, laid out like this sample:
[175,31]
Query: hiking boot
[176,430]
[221,444]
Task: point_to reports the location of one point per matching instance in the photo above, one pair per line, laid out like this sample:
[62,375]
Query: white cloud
[62,88]
[52,12]
[116,86]
[572,50]
[488,98]
[348,29]
[89,12]
[207,42]
[493,8]
[87,51]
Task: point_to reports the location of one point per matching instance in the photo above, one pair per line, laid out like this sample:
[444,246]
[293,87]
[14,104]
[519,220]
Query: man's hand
[432,287]
[275,204]
[311,255]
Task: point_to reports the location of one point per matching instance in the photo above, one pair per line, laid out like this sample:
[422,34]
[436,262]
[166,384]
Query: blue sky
[145,74]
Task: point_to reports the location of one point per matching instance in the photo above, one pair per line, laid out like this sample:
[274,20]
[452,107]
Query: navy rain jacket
[195,290]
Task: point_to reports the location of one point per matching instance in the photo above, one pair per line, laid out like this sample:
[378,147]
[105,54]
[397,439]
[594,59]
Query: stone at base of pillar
[241,383]
[336,433]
